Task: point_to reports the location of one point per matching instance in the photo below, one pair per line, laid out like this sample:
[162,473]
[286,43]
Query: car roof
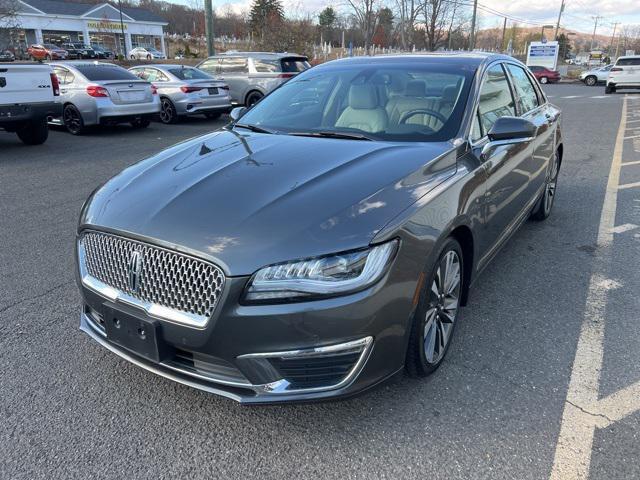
[475,59]
[628,56]
[164,66]
[83,63]
[271,55]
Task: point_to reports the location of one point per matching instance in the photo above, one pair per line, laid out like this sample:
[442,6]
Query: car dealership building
[57,22]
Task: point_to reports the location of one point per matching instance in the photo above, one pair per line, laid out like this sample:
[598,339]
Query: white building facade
[57,22]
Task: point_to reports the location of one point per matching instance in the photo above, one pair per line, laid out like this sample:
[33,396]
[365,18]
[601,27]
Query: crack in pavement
[584,410]
[35,297]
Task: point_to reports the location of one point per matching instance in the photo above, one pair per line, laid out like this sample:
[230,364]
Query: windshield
[189,74]
[388,102]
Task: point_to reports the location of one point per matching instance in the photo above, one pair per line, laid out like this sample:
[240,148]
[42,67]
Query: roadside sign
[544,54]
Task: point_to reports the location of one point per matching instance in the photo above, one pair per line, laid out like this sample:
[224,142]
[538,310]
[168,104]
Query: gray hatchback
[185,91]
[251,75]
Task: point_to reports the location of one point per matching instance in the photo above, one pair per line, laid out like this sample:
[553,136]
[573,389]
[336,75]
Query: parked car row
[98,93]
[68,51]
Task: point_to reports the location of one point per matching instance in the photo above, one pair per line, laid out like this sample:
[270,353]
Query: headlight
[321,277]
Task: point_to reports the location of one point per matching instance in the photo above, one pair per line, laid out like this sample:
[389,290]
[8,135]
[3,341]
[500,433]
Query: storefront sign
[106,25]
[544,54]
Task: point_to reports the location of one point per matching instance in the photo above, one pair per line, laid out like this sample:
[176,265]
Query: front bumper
[258,354]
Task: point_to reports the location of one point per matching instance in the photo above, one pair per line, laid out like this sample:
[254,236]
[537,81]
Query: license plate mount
[137,335]
[213,91]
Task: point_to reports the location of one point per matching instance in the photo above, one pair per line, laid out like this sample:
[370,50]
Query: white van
[624,74]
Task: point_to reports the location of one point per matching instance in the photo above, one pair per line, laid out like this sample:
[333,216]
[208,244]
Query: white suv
[624,74]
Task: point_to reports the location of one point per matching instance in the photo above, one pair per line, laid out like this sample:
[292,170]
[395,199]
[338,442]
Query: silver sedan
[186,91]
[95,93]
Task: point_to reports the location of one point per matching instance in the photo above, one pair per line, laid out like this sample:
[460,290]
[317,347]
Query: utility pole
[124,42]
[555,35]
[453,17]
[472,37]
[595,26]
[618,45]
[615,25]
[504,31]
[208,24]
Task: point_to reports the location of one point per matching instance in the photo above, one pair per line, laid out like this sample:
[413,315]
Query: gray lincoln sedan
[326,239]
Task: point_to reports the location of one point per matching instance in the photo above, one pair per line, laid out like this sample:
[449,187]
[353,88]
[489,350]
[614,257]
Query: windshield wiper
[330,134]
[253,128]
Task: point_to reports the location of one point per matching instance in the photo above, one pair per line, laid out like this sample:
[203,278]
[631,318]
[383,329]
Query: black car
[328,236]
[101,52]
[79,51]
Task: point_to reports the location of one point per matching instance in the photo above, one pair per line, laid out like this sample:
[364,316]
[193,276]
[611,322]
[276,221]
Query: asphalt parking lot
[542,379]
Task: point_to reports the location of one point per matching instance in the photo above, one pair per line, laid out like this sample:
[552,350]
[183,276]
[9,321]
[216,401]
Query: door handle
[63,90]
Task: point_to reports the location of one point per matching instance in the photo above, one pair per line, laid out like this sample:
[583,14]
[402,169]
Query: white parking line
[624,228]
[626,164]
[581,410]
[629,185]
[601,96]
[572,96]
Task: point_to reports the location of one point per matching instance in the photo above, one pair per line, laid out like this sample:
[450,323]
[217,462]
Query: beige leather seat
[363,111]
[414,98]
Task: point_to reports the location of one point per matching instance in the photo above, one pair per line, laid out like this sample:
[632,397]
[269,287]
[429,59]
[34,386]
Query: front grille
[170,279]
[314,372]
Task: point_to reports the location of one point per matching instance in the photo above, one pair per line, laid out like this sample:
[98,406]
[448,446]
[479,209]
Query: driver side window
[496,101]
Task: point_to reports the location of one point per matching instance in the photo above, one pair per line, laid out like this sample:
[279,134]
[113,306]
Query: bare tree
[366,15]
[8,22]
[437,15]
[408,11]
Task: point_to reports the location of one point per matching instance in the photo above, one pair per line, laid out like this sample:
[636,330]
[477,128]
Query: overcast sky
[577,16]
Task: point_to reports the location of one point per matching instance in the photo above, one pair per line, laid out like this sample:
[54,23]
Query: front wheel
[608,89]
[437,312]
[591,80]
[133,57]
[213,115]
[34,133]
[544,205]
[544,80]
[148,57]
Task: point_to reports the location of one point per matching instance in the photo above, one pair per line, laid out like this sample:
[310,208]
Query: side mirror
[508,131]
[237,112]
[512,128]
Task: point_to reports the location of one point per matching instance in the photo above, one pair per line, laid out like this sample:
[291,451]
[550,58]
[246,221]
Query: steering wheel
[421,111]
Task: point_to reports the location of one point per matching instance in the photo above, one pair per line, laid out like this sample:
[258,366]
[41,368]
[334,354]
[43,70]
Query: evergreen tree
[265,14]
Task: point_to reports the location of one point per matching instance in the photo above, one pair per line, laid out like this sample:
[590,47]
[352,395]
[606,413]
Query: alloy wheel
[442,311]
[591,81]
[72,120]
[550,187]
[166,111]
[544,80]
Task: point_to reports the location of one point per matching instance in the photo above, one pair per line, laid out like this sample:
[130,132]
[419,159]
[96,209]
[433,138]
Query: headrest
[363,97]
[449,93]
[416,88]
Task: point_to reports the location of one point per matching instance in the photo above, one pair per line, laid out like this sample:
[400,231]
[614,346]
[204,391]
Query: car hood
[246,200]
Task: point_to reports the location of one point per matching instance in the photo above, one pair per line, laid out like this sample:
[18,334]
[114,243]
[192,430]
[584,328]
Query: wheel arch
[464,236]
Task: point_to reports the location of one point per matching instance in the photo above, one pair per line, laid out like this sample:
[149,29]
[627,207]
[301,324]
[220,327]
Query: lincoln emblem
[135,270]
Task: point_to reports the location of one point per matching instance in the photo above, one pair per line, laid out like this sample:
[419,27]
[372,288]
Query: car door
[507,178]
[234,71]
[532,105]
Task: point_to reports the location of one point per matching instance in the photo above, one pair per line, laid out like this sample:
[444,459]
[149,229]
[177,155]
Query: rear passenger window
[211,66]
[233,65]
[527,99]
[266,66]
[628,62]
[65,77]
[495,98]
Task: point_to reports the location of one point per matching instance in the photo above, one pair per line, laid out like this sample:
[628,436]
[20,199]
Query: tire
[133,57]
[148,57]
[435,318]
[543,208]
[141,122]
[213,115]
[168,113]
[544,80]
[591,80]
[34,133]
[608,90]
[72,120]
[253,98]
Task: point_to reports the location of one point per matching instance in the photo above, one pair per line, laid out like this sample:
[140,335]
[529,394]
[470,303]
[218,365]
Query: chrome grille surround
[172,286]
